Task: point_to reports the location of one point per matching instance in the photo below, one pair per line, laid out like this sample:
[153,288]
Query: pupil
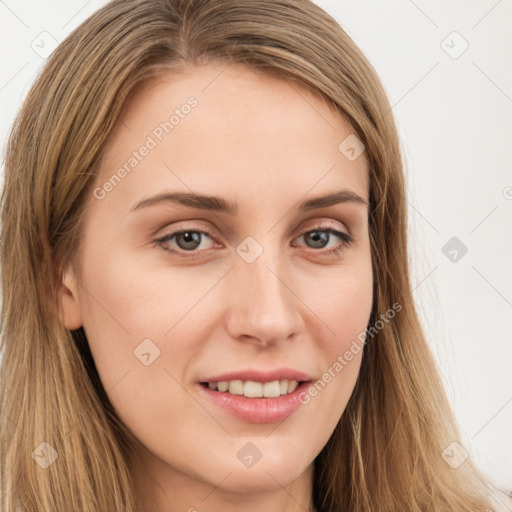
[191,240]
[318,236]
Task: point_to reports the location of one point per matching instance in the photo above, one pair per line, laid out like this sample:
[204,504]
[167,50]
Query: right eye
[184,241]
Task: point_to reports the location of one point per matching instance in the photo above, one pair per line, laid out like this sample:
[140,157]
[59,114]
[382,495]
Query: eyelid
[189,226]
[312,224]
[325,224]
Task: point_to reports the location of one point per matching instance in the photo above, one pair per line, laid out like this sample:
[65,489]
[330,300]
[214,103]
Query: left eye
[321,237]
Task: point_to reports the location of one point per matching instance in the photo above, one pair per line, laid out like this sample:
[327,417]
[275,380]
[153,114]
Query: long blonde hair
[386,451]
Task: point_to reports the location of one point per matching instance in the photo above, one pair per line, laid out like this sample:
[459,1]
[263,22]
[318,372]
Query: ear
[70,310]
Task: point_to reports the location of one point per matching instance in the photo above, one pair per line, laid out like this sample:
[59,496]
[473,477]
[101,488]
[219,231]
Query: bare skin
[266,145]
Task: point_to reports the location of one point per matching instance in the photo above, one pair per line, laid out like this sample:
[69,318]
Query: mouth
[253,389]
[255,402]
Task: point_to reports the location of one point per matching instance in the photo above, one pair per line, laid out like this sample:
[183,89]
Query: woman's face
[251,296]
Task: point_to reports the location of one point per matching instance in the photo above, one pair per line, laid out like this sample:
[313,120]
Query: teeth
[253,389]
[271,389]
[221,386]
[236,387]
[292,386]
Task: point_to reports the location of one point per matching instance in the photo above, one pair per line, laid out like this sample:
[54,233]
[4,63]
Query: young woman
[206,295]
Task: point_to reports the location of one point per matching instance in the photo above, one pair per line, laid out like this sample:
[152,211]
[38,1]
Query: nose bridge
[263,306]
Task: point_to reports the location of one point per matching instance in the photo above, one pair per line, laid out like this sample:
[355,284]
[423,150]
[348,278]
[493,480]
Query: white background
[455,121]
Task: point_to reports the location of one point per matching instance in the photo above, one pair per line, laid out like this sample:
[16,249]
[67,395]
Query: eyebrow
[218,204]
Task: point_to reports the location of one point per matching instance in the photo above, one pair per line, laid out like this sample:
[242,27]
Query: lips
[260,375]
[257,396]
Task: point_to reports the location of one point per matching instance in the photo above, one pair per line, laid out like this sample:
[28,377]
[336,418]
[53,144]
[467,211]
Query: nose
[262,306]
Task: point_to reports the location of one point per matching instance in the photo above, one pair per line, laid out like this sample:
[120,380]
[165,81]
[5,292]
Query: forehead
[229,129]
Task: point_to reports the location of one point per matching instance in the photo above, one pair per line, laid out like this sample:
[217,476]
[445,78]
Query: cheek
[343,305]
[130,300]
[347,306]
[139,324]
[343,302]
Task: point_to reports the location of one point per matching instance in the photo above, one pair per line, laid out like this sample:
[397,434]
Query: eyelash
[161,242]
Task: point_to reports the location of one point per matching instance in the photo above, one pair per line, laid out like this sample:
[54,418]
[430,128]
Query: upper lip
[261,375]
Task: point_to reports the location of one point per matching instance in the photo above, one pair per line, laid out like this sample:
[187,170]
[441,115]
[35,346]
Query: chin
[274,466]
[261,478]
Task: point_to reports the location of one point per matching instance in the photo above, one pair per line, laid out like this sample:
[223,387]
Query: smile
[251,389]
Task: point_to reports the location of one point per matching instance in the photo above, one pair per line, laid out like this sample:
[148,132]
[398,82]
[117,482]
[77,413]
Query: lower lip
[257,410]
